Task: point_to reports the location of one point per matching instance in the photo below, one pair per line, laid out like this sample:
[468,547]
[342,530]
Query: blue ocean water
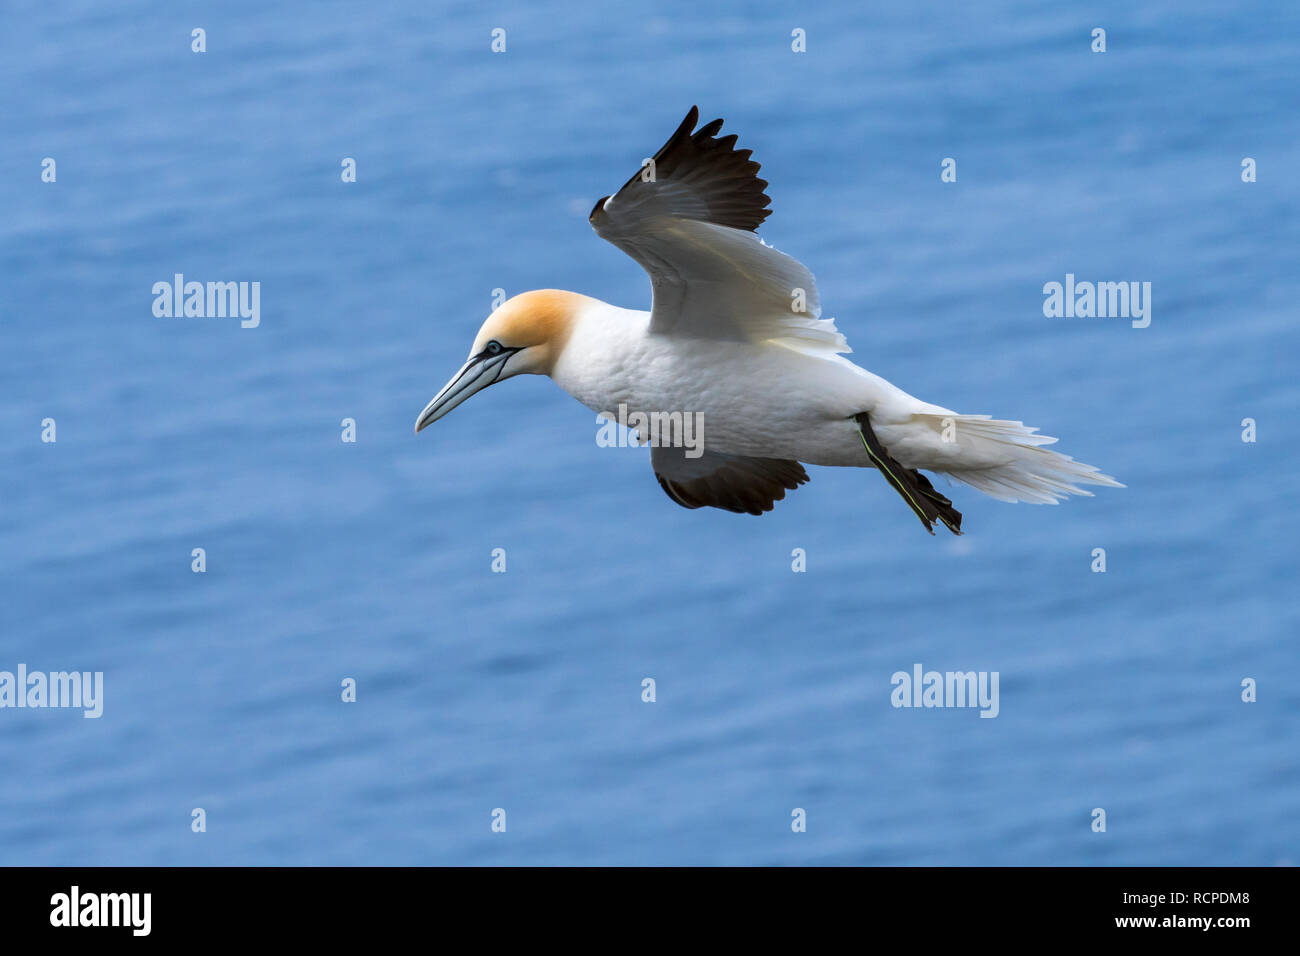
[371,560]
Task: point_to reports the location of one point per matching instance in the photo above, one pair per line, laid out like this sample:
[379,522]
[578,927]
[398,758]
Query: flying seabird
[735,337]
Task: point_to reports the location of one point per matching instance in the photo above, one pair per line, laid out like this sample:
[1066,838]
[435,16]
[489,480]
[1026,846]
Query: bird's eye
[493,348]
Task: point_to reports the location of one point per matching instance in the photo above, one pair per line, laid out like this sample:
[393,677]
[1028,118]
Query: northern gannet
[735,336]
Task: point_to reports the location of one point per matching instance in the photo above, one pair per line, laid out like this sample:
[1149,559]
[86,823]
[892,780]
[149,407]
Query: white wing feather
[710,277]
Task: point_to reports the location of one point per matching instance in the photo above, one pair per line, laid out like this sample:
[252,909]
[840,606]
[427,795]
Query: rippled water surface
[522,690]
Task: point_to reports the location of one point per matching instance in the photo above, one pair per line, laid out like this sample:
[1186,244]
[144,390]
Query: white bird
[735,338]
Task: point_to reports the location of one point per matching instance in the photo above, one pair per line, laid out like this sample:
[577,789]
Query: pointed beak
[475,375]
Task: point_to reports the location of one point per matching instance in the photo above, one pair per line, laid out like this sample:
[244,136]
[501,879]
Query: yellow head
[524,336]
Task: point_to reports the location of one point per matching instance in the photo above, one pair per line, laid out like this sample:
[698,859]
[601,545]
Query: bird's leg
[926,503]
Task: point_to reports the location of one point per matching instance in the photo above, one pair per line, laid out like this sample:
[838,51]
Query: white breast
[755,398]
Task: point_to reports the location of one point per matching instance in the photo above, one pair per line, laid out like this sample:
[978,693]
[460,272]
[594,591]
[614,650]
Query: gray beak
[475,375]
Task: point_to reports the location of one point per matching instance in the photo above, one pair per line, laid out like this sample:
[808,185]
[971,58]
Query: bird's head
[525,335]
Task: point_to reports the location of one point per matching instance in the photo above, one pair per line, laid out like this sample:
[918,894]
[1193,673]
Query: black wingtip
[709,129]
[684,128]
[722,178]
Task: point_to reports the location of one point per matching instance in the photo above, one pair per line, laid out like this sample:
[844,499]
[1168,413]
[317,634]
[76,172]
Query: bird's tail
[1007,461]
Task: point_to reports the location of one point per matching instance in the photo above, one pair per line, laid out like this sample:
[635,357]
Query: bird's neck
[603,355]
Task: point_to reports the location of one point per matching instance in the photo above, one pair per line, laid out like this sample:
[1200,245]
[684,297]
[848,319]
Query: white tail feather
[1007,462]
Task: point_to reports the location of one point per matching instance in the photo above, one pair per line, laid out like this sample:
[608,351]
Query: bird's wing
[688,217]
[731,482]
